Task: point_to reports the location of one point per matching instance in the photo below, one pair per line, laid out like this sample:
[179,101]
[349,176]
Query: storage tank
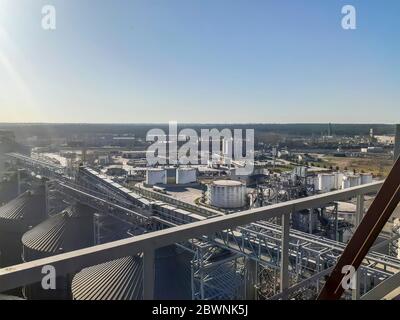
[345,182]
[355,180]
[338,180]
[156,176]
[326,182]
[71,229]
[121,279]
[171,175]
[16,217]
[186,175]
[366,178]
[228,194]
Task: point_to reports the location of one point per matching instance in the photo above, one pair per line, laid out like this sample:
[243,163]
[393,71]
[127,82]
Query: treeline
[139,130]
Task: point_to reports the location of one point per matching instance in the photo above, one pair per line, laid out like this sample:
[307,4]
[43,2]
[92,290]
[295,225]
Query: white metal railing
[74,261]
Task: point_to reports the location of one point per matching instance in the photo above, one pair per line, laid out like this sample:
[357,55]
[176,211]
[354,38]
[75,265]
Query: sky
[226,61]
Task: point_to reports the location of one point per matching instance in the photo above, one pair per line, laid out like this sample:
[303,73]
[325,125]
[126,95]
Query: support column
[148,275]
[251,279]
[285,253]
[355,293]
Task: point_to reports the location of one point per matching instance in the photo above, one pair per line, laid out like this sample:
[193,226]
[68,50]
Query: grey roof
[64,232]
[16,209]
[119,279]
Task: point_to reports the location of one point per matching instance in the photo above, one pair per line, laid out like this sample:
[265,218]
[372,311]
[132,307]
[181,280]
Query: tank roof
[227,183]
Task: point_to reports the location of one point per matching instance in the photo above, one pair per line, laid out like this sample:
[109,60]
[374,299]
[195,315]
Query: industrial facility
[272,234]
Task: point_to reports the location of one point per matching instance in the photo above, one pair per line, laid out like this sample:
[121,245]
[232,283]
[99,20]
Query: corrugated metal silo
[16,217]
[122,279]
[119,279]
[69,230]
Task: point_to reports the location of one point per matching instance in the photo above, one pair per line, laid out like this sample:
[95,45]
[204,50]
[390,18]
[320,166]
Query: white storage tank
[156,176]
[326,182]
[345,182]
[355,180]
[228,194]
[338,180]
[366,178]
[171,175]
[186,175]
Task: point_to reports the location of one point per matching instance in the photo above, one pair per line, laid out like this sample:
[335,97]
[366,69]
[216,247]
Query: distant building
[372,150]
[387,140]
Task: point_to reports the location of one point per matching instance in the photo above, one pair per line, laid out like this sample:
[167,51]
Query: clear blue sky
[134,61]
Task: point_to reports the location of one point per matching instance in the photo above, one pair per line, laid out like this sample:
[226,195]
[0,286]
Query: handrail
[30,272]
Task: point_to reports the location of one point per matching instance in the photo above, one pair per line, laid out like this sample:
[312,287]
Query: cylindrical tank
[366,178]
[345,182]
[171,175]
[71,229]
[338,180]
[16,217]
[228,194]
[326,182]
[156,176]
[121,279]
[355,180]
[186,175]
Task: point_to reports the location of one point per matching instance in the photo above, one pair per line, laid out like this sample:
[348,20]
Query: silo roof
[15,209]
[119,279]
[61,231]
[227,183]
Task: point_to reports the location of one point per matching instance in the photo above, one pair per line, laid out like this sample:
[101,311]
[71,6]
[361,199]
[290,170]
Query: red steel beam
[367,232]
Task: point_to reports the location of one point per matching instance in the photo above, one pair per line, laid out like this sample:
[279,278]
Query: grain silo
[71,229]
[122,279]
[16,217]
[119,279]
[227,194]
[156,176]
[186,175]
